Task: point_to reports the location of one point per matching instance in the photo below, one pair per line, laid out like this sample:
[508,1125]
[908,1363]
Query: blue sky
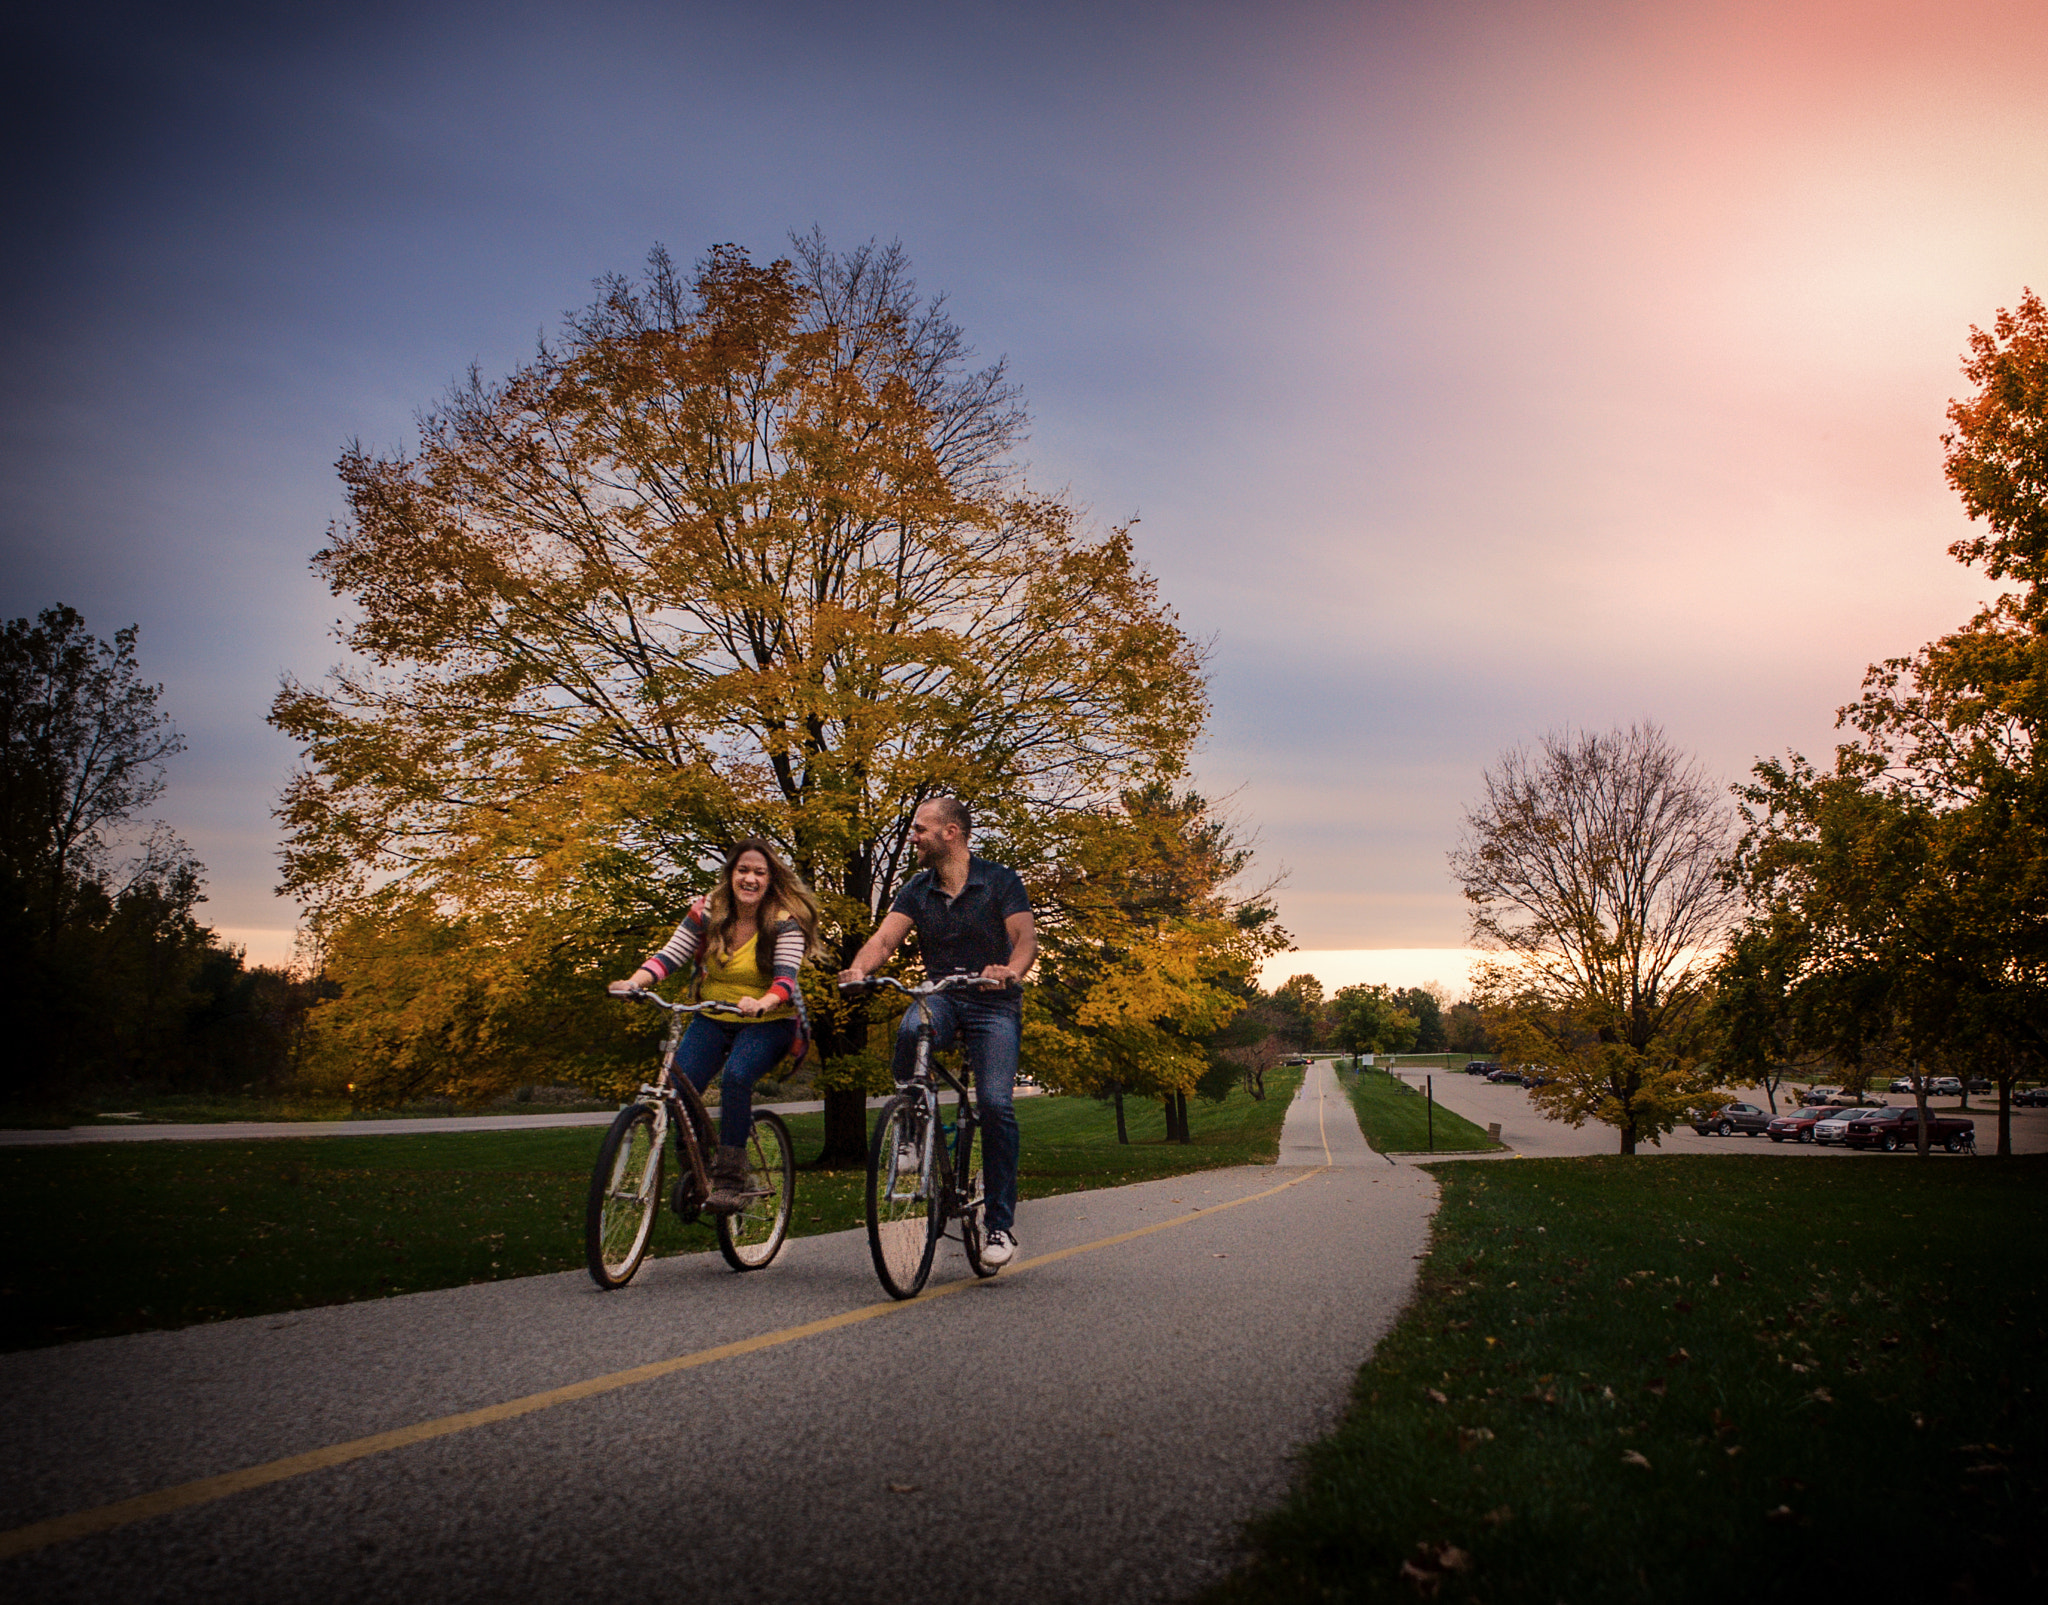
[1474,369]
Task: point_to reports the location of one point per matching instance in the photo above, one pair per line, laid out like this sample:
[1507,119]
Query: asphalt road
[1091,1426]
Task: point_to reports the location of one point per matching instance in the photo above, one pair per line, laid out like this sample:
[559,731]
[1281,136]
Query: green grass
[126,1237]
[1396,1118]
[1798,1352]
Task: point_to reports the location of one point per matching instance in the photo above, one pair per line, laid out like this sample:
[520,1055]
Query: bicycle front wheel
[754,1236]
[903,1204]
[971,1203]
[625,1192]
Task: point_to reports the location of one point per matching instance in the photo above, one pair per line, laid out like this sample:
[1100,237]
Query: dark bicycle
[625,1184]
[917,1183]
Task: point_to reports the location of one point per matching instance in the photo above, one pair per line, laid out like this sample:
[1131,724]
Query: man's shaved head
[951,811]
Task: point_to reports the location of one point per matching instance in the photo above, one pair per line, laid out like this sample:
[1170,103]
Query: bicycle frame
[928,1079]
[676,1102]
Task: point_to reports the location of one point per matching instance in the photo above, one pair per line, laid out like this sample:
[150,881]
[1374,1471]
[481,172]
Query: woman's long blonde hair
[787,898]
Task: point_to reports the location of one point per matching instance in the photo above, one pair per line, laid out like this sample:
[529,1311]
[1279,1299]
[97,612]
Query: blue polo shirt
[963,935]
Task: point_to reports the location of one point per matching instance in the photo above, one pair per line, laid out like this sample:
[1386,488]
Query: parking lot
[1526,1131]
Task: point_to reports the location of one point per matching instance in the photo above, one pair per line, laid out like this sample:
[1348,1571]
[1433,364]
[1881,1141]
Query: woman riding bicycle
[748,937]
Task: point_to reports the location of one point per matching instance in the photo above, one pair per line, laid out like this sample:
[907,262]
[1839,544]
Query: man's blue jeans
[748,1052]
[990,1028]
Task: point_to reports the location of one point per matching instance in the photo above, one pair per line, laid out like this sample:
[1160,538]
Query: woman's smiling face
[749,879]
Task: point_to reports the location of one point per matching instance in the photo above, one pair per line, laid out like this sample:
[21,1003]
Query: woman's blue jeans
[747,1053]
[990,1026]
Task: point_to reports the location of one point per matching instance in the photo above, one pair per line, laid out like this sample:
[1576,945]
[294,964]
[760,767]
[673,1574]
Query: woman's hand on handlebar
[638,981]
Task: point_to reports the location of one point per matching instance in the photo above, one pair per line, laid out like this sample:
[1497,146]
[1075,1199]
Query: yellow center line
[204,1491]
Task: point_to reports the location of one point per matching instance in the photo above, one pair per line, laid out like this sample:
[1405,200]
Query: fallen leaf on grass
[1822,1396]
[1656,1385]
[1782,1513]
[1427,1571]
[1680,1358]
[1497,1516]
[1468,1436]
[1635,1457]
[1434,1397]
[1539,1396]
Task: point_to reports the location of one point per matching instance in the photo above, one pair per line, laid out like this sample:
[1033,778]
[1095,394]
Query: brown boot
[729,1182]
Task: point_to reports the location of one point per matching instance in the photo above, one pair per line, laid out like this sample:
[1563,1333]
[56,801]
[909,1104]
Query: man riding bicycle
[972,918]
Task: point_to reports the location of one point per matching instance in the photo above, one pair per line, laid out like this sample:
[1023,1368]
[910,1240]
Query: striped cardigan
[786,938]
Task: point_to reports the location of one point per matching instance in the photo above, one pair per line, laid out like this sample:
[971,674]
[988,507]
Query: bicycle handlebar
[708,1006]
[945,983]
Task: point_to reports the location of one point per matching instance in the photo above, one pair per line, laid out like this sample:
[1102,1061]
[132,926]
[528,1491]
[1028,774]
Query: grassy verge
[1396,1118]
[135,1236]
[1694,1379]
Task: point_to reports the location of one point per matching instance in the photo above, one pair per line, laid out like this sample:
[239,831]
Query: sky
[1474,370]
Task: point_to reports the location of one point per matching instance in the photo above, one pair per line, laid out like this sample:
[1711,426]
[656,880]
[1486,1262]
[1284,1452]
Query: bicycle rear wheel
[625,1192]
[903,1204]
[754,1236]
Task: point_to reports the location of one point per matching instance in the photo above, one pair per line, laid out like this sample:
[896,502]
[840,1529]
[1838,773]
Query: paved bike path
[1091,1426]
[1322,1127]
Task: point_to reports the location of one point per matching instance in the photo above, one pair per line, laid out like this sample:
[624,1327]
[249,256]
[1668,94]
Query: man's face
[929,837]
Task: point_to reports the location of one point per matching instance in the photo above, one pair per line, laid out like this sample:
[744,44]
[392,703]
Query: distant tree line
[109,978]
[1887,914]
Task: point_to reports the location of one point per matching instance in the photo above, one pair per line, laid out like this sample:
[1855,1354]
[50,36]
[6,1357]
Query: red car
[1798,1124]
[1893,1129]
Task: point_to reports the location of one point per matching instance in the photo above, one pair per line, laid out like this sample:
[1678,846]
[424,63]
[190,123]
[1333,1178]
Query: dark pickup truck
[1893,1129]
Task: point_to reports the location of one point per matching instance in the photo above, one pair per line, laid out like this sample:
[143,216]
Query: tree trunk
[2005,1116]
[1180,1100]
[1172,1118]
[846,1129]
[1628,1139]
[1117,1096]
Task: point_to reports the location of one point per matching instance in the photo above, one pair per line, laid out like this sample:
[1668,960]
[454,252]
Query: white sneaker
[1000,1248]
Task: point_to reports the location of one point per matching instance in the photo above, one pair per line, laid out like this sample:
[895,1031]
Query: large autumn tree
[739,551]
[1899,898]
[1594,869]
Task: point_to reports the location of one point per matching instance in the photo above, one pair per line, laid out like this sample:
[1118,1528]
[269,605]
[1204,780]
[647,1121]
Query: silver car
[1831,1129]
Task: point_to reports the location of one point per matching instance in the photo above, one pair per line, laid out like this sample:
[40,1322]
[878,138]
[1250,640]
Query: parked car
[1730,1118]
[1893,1129]
[1537,1075]
[2032,1098]
[1498,1075]
[1855,1100]
[1298,1059]
[1797,1124]
[1945,1086]
[1978,1084]
[1832,1124]
[1482,1067]
[1901,1084]
[1816,1095]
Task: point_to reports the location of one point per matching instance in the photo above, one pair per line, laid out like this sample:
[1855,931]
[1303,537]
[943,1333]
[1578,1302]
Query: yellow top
[741,976]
